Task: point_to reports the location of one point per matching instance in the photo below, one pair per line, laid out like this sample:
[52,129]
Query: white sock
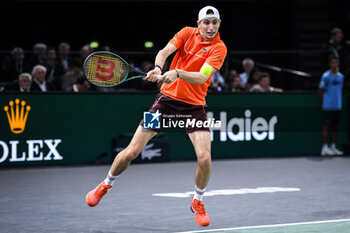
[333,146]
[325,146]
[110,179]
[198,193]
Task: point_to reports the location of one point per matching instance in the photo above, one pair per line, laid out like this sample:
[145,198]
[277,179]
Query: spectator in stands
[253,79]
[334,44]
[248,66]
[330,93]
[229,79]
[106,48]
[264,85]
[236,85]
[39,79]
[69,78]
[63,58]
[15,65]
[23,84]
[336,47]
[53,70]
[85,51]
[81,85]
[217,82]
[39,54]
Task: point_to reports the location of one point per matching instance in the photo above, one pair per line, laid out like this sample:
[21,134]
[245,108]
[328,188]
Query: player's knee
[204,160]
[131,153]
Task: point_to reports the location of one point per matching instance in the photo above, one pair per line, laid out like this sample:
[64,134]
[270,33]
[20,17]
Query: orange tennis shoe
[94,196]
[202,218]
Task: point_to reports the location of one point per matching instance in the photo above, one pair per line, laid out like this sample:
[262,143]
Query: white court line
[266,226]
[230,192]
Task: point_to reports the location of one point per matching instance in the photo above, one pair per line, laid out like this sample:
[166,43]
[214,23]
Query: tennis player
[200,53]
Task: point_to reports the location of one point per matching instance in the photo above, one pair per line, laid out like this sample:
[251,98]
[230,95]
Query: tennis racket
[106,69]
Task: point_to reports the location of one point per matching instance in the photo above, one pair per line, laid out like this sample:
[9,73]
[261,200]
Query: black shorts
[174,110]
[331,117]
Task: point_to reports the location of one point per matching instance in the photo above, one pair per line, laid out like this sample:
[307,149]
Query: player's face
[209,28]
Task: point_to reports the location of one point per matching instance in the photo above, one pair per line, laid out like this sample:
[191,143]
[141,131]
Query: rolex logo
[17,116]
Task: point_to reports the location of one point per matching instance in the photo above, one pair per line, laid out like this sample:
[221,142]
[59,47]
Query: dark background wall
[246,25]
[126,25]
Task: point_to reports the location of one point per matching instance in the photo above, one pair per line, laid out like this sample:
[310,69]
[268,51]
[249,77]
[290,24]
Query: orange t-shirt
[191,55]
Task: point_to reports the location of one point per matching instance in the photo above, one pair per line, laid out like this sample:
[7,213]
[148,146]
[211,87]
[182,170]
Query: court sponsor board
[44,129]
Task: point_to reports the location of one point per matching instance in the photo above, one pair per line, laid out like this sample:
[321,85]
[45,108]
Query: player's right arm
[174,44]
[160,61]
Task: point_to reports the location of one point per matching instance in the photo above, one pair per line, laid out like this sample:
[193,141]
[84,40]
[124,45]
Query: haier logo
[258,128]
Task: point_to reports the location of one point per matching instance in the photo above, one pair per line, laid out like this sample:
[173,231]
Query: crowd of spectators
[253,79]
[250,80]
[46,68]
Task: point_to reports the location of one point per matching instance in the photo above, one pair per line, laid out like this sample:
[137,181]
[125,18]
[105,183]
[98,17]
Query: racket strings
[105,70]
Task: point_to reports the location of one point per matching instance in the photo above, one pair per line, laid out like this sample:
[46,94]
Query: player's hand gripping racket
[106,69]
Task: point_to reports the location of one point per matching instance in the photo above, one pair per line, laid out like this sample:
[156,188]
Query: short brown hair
[264,75]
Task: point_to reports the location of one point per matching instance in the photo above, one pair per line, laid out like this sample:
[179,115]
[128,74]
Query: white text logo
[34,151]
[258,128]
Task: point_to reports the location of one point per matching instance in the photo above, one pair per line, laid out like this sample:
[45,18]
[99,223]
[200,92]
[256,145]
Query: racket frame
[119,57]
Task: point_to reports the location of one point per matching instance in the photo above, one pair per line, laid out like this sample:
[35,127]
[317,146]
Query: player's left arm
[212,64]
[192,77]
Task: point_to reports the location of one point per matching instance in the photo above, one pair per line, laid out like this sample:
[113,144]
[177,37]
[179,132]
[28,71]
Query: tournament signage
[68,128]
[247,128]
[21,150]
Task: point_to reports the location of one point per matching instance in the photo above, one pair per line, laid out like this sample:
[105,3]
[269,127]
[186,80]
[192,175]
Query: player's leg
[138,142]
[123,159]
[202,146]
[120,163]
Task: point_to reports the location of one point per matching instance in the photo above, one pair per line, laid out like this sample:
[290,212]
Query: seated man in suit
[39,79]
[22,85]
